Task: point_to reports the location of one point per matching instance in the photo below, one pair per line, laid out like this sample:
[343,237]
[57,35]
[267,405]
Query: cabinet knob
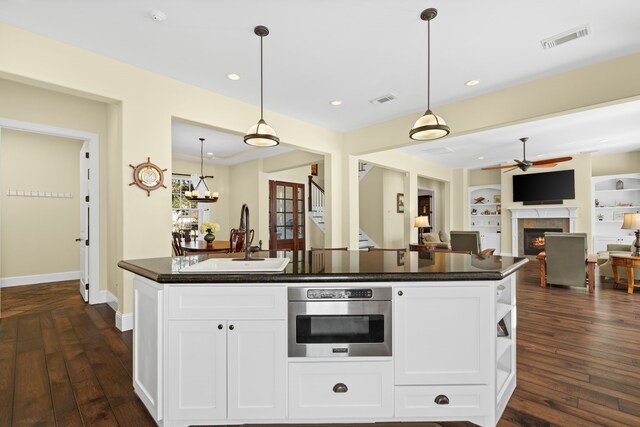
[220,326]
[400,293]
[441,399]
[340,388]
[231,327]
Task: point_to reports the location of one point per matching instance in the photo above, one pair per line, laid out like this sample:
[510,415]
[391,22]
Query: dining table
[201,246]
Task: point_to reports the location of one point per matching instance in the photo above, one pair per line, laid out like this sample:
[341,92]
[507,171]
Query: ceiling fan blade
[554,160]
[545,165]
[498,167]
[509,170]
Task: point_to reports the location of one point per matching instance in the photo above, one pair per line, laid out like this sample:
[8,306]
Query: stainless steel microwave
[332,322]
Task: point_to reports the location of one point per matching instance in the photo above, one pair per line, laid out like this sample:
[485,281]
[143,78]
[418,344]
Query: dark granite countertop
[338,266]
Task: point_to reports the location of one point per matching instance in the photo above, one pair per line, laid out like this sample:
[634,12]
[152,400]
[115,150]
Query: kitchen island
[217,348]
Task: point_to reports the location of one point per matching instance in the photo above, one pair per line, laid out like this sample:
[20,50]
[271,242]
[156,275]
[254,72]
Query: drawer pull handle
[231,327]
[400,293]
[441,399]
[340,388]
[219,326]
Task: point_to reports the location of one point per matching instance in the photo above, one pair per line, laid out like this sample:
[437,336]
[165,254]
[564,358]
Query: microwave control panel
[339,293]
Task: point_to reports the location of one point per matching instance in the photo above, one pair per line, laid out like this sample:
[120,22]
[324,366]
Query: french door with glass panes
[286,216]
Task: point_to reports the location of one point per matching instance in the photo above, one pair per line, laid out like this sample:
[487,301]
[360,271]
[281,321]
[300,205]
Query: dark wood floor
[62,362]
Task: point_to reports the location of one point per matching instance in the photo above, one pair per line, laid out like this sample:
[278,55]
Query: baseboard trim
[39,278]
[110,299]
[124,321]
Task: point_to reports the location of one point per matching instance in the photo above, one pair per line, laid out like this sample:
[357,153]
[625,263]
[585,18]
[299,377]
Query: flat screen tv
[549,187]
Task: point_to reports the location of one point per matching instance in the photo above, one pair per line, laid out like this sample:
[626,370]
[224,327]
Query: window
[184,212]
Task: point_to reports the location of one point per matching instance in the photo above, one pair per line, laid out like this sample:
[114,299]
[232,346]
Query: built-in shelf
[616,191]
[501,380]
[484,204]
[618,207]
[502,310]
[504,343]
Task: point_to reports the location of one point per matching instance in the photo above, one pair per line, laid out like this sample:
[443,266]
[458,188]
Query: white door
[257,362]
[442,335]
[84,221]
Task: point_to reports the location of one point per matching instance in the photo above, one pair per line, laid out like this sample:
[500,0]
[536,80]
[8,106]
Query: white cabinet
[242,359]
[442,334]
[613,196]
[485,215]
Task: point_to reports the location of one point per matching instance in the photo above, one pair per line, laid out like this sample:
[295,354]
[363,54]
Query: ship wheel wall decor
[148,176]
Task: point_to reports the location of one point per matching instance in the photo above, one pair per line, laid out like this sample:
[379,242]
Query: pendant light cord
[201,158]
[261,80]
[429,64]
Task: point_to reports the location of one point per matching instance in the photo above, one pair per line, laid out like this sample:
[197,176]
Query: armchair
[565,261]
[605,269]
[468,241]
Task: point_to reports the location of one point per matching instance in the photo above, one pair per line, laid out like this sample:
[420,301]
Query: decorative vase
[209,237]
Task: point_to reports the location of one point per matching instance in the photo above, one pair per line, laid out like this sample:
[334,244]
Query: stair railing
[316,196]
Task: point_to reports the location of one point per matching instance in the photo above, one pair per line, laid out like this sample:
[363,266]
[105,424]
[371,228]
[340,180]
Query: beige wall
[480,177]
[619,163]
[394,222]
[371,205]
[38,233]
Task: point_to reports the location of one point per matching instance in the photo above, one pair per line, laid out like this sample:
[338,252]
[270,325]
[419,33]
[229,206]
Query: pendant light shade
[261,134]
[429,126]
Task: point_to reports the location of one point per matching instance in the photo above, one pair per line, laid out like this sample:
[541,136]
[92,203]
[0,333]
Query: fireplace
[534,239]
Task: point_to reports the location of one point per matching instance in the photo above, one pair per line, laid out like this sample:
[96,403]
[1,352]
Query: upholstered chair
[565,261]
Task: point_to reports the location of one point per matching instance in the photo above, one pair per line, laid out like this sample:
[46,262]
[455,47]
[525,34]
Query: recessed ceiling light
[336,103]
[209,154]
[481,158]
[157,15]
[233,76]
[472,83]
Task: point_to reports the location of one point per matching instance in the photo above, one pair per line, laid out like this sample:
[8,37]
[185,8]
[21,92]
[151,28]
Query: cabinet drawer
[227,302]
[340,390]
[417,401]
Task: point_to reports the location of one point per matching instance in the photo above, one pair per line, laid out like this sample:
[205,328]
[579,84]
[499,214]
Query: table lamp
[632,222]
[421,222]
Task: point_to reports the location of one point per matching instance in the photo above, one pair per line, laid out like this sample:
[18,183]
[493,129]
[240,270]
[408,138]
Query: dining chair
[175,243]
[236,239]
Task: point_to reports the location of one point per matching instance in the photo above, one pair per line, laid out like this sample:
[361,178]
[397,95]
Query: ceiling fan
[525,164]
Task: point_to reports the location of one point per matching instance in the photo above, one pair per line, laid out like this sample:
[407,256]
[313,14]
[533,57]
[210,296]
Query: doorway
[91,258]
[286,216]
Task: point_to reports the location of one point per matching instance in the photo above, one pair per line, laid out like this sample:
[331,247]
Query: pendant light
[261,134]
[194,195]
[429,126]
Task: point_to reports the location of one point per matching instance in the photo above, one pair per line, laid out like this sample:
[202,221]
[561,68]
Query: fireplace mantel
[526,212]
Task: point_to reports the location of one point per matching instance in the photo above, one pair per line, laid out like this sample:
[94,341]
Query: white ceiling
[354,50]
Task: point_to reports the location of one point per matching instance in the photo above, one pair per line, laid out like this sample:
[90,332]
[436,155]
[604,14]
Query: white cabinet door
[197,370]
[442,334]
[257,369]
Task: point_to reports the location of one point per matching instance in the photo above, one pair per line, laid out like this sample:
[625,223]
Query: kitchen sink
[227,265]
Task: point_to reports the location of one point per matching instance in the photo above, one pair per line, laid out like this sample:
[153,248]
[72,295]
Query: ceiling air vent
[565,37]
[382,99]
